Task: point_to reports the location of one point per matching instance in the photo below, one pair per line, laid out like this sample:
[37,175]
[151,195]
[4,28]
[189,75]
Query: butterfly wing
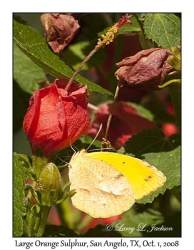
[101,190]
[142,177]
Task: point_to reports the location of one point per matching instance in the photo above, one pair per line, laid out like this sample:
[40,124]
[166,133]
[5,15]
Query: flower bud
[50,185]
[60,29]
[56,117]
[146,69]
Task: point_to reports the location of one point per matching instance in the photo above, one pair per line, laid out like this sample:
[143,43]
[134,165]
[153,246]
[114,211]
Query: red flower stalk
[110,35]
[124,20]
[56,117]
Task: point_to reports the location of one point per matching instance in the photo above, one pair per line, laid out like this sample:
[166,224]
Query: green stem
[43,219]
[169,82]
[67,215]
[35,221]
[84,223]
[145,43]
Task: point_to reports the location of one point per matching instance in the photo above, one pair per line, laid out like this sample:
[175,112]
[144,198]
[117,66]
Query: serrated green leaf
[162,152]
[164,29]
[36,48]
[26,72]
[25,161]
[18,199]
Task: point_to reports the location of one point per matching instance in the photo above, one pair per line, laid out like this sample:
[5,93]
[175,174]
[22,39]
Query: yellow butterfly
[107,184]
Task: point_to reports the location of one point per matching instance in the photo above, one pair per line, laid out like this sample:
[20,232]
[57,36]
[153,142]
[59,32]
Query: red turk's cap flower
[148,68]
[60,29]
[125,122]
[56,117]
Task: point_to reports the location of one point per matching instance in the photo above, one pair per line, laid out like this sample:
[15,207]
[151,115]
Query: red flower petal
[169,129]
[125,123]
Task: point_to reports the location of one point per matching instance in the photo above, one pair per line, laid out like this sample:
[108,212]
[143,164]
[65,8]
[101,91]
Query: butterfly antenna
[72,147]
[100,128]
[62,159]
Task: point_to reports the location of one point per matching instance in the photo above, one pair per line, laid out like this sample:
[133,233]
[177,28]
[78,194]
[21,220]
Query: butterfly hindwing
[101,190]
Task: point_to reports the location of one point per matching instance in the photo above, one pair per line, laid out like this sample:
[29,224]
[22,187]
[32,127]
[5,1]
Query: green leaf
[58,231]
[164,29]
[26,72]
[162,152]
[25,161]
[77,52]
[36,48]
[132,224]
[18,199]
[142,111]
[149,223]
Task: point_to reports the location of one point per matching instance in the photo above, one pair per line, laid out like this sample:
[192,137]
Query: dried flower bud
[60,29]
[148,68]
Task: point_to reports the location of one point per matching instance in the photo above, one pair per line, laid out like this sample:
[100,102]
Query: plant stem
[144,42]
[84,223]
[80,66]
[43,219]
[169,82]
[112,110]
[92,107]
